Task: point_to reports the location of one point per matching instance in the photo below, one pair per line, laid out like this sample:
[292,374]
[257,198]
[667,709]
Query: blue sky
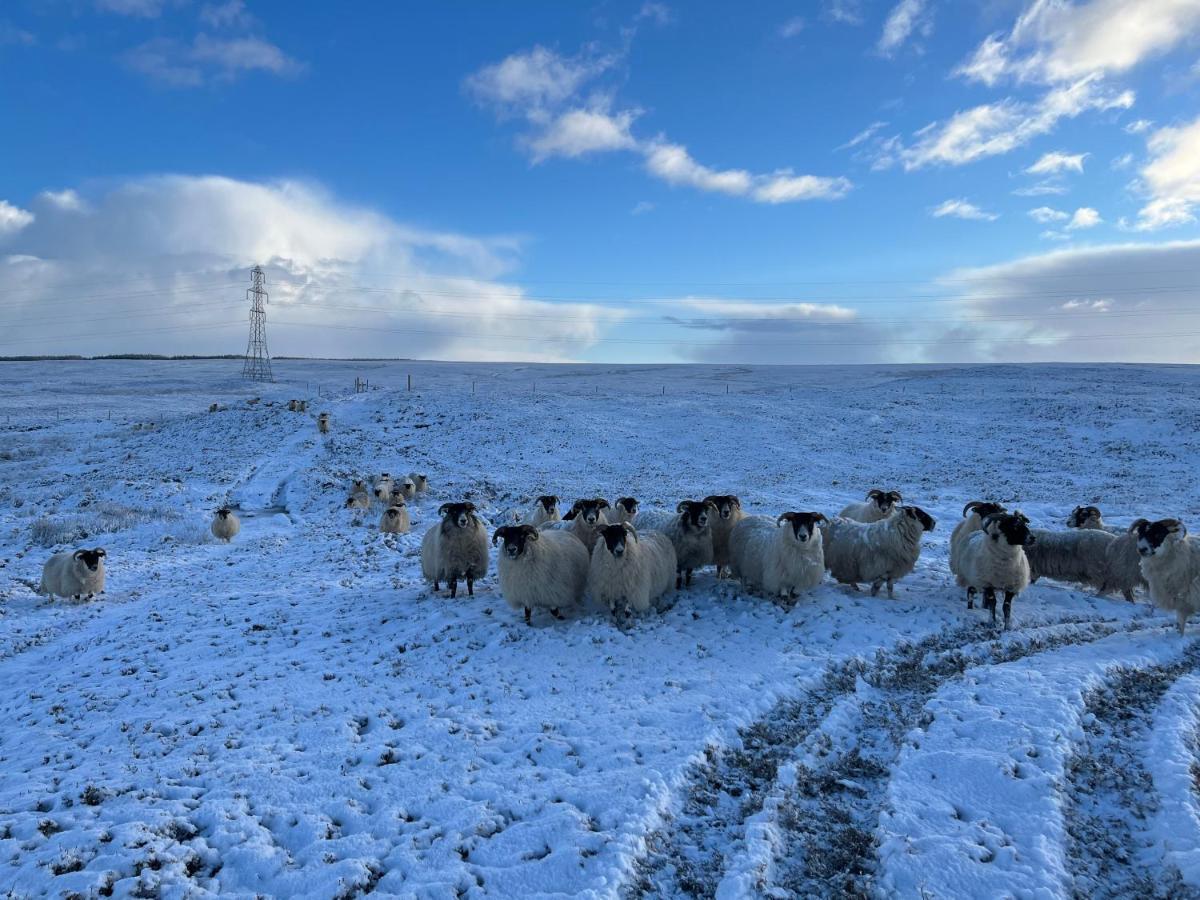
[786,182]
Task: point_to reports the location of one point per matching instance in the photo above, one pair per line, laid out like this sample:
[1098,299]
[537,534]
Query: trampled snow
[296,714]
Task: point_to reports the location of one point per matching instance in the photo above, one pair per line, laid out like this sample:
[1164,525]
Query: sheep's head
[460,515]
[694,514]
[515,538]
[629,504]
[1012,528]
[616,537]
[1084,517]
[725,504]
[1158,537]
[919,515]
[393,512]
[983,508]
[422,481]
[359,486]
[589,510]
[885,500]
[396,496]
[804,524]
[224,512]
[91,559]
[408,486]
[548,502]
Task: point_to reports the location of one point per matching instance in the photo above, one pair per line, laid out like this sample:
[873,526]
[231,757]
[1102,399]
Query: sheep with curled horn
[993,559]
[77,574]
[690,531]
[729,513]
[781,557]
[1123,564]
[543,510]
[1171,565]
[877,505]
[456,547]
[625,509]
[876,553]
[540,569]
[583,519]
[974,513]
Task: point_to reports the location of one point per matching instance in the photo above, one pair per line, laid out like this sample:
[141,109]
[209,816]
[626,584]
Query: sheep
[876,552]
[973,515]
[382,489]
[1123,562]
[780,557]
[878,505]
[395,519]
[994,560]
[323,423]
[630,568]
[456,547]
[729,513]
[1077,555]
[1089,517]
[74,574]
[582,520]
[1171,566]
[625,509]
[214,407]
[303,407]
[226,525]
[396,496]
[545,509]
[408,487]
[546,569]
[358,501]
[690,534]
[293,405]
[420,482]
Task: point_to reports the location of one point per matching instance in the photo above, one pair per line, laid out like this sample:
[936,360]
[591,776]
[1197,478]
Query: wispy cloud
[961,209]
[906,18]
[208,60]
[848,12]
[1171,177]
[792,27]
[1046,214]
[1055,162]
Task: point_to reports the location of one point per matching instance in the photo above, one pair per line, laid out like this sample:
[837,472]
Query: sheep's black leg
[989,602]
[470,585]
[1128,595]
[554,612]
[970,598]
[875,588]
[1008,598]
[678,579]
[528,614]
[891,589]
[453,587]
[436,587]
[688,579]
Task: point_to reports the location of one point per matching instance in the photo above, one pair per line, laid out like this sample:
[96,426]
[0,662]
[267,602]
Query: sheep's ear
[630,530]
[100,551]
[895,496]
[819,517]
[496,536]
[682,506]
[784,517]
[874,494]
[1137,524]
[602,503]
[531,532]
[78,554]
[443,509]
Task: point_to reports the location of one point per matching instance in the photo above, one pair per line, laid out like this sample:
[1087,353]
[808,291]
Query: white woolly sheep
[878,505]
[1078,555]
[780,557]
[583,520]
[1089,517]
[456,547]
[382,489]
[544,509]
[973,515]
[358,501]
[629,569]
[994,560]
[1124,563]
[624,510]
[540,569]
[293,405]
[729,513]
[408,487]
[225,525]
[690,532]
[1171,565]
[876,552]
[420,482]
[395,520]
[323,423]
[74,574]
[214,407]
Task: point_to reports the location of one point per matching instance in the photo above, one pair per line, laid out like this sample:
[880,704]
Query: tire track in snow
[822,815]
[1110,793]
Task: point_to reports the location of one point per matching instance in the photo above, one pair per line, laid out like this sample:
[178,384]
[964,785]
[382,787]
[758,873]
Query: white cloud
[533,81]
[1046,188]
[65,199]
[230,14]
[1171,177]
[848,12]
[1046,214]
[578,132]
[190,241]
[906,17]
[1139,126]
[208,60]
[791,27]
[1056,162]
[1056,41]
[961,209]
[144,9]
[674,165]
[1084,217]
[13,218]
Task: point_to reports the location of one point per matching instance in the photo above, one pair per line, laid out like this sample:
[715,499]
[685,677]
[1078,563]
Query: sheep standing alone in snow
[690,534]
[323,423]
[878,505]
[544,509]
[1123,562]
[878,552]
[583,520]
[74,574]
[225,525]
[214,407]
[630,570]
[625,510]
[420,482]
[1079,555]
[973,515]
[729,513]
[781,557]
[1171,564]
[543,569]
[395,519]
[994,560]
[456,547]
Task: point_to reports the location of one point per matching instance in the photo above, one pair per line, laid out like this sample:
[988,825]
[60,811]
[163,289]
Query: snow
[295,713]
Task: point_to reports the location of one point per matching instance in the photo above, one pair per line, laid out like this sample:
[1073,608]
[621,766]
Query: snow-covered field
[295,714]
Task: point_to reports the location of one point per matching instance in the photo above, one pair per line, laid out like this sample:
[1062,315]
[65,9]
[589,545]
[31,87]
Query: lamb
[1078,555]
[878,505]
[457,547]
[690,534]
[625,509]
[994,560]
[395,519]
[630,569]
[1123,562]
[420,482]
[583,520]
[323,423]
[1171,565]
[781,557]
[545,509]
[544,569]
[74,574]
[973,515]
[225,525]
[382,488]
[875,552]
[729,513]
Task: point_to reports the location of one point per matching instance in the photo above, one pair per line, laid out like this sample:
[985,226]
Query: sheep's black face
[548,502]
[1153,536]
[458,514]
[615,537]
[629,504]
[694,513]
[1081,515]
[396,498]
[516,538]
[804,524]
[983,508]
[589,510]
[223,513]
[1013,528]
[884,500]
[724,503]
[915,512]
[393,512]
[90,558]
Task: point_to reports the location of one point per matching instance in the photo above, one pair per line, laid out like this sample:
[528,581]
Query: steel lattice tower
[258,360]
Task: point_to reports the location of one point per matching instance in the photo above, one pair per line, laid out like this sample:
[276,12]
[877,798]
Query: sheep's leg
[854,584]
[678,579]
[970,598]
[470,585]
[875,585]
[1181,618]
[989,602]
[453,586]
[554,612]
[436,587]
[1008,599]
[528,616]
[891,592]
[688,579]
[1128,595]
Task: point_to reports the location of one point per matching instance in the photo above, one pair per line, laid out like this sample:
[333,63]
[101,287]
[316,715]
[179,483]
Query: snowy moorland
[297,714]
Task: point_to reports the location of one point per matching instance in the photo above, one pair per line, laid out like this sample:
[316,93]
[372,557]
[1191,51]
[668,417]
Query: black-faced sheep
[625,510]
[973,515]
[544,509]
[540,569]
[690,531]
[1123,562]
[729,513]
[225,525]
[74,574]
[877,553]
[878,505]
[780,557]
[1171,565]
[583,520]
[629,569]
[456,547]
[395,519]
[994,560]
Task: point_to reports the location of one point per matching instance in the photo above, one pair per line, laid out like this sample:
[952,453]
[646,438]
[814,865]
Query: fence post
[410,381]
[472,387]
